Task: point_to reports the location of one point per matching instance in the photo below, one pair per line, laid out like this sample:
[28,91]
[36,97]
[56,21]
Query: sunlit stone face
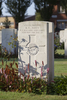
[33,39]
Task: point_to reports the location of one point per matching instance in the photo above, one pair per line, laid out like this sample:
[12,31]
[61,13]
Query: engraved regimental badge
[33,49]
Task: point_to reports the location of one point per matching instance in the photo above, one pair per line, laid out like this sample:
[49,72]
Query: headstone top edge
[65,29]
[35,22]
[7,29]
[61,30]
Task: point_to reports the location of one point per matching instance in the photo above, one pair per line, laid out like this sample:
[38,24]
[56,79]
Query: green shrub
[61,46]
[39,86]
[59,86]
[56,55]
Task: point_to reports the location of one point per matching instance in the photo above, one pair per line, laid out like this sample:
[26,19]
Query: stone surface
[36,43]
[65,42]
[0,37]
[61,36]
[7,36]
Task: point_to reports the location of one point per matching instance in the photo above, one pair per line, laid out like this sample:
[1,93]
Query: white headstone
[0,37]
[61,36]
[65,42]
[7,36]
[36,42]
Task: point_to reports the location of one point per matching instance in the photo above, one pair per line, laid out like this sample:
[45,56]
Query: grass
[28,96]
[60,67]
[8,62]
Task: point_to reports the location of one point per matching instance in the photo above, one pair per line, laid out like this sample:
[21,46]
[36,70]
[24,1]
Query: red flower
[35,63]
[0,71]
[6,66]
[32,78]
[53,81]
[16,65]
[42,63]
[11,82]
[11,65]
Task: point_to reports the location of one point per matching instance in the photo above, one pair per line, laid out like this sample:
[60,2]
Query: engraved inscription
[32,31]
[34,28]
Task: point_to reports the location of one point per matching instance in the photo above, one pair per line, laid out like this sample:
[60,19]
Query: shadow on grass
[60,59]
[10,59]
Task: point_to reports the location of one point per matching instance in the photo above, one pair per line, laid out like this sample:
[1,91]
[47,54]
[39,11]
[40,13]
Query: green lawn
[8,62]
[60,67]
[29,96]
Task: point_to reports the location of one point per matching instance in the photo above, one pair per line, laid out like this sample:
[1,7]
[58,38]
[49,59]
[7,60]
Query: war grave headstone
[0,37]
[65,42]
[61,36]
[36,43]
[8,36]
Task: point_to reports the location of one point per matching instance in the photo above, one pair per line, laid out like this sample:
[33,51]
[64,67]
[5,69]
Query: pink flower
[41,71]
[3,71]
[47,70]
[6,76]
